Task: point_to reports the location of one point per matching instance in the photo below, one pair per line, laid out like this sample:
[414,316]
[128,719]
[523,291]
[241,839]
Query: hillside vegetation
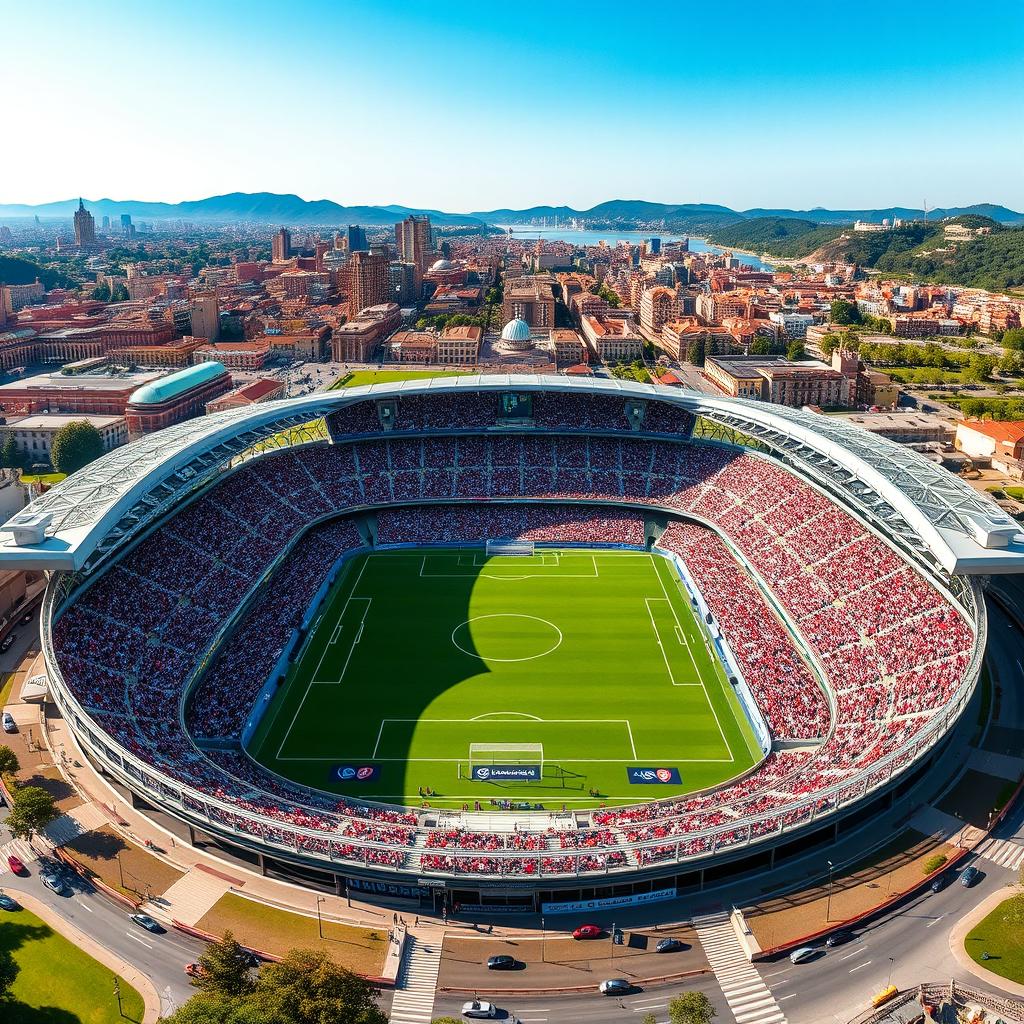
[15,270]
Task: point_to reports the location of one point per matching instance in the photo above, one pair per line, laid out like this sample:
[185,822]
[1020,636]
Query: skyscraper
[415,241]
[357,239]
[127,229]
[85,227]
[366,281]
[282,246]
[205,311]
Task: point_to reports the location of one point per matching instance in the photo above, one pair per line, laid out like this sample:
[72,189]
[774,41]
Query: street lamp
[828,907]
[892,960]
[542,938]
[319,918]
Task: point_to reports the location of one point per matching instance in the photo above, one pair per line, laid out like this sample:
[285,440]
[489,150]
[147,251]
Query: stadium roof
[100,505]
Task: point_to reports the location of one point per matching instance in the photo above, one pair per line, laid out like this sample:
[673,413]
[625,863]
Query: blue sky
[475,106]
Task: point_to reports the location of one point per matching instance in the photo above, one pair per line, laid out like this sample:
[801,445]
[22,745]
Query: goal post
[509,546]
[505,762]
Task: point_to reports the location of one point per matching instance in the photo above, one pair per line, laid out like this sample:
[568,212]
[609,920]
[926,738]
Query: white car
[804,953]
[478,1008]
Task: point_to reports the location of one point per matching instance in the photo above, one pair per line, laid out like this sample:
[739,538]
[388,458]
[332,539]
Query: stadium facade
[158,554]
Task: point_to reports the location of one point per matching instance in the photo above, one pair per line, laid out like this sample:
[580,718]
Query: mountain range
[274,208]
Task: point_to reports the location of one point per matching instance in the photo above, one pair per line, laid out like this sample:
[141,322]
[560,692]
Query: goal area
[507,546]
[521,762]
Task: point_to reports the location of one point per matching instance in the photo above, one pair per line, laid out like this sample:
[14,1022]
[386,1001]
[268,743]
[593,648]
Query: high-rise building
[282,245]
[105,223]
[402,283]
[85,227]
[205,316]
[127,228]
[365,279]
[415,241]
[654,246]
[357,239]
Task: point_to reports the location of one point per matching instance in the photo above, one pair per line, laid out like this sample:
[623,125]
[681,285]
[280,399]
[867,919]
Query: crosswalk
[62,830]
[20,849]
[748,996]
[417,980]
[1007,853]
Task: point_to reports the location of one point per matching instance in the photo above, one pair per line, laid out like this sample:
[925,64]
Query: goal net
[505,762]
[509,547]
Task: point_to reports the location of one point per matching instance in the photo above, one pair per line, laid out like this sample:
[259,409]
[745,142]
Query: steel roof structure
[963,531]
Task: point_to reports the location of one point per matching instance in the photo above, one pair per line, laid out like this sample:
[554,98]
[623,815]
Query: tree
[75,445]
[10,457]
[9,763]
[760,346]
[649,1018]
[691,1008]
[795,349]
[32,809]
[101,293]
[844,313]
[119,294]
[696,352]
[225,968]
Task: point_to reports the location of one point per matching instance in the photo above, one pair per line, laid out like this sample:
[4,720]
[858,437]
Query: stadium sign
[653,776]
[354,772]
[609,903]
[506,773]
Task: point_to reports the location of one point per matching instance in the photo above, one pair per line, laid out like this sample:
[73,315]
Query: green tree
[844,313]
[9,763]
[760,346]
[696,352]
[119,294]
[225,968]
[32,809]
[691,1008]
[795,349]
[75,445]
[649,1018]
[10,457]
[101,293]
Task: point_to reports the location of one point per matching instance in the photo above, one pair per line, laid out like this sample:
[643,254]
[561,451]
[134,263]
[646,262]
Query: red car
[16,866]
[587,931]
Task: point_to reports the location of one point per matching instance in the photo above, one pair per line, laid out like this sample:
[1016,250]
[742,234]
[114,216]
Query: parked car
[501,963]
[670,946]
[839,938]
[145,921]
[16,866]
[9,724]
[5,644]
[939,882]
[969,877]
[587,931]
[803,954]
[6,903]
[55,883]
[615,987]
[478,1009]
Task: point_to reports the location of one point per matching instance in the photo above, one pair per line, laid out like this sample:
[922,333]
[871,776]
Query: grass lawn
[42,478]
[278,931]
[595,655]
[1003,941]
[55,975]
[357,378]
[121,864]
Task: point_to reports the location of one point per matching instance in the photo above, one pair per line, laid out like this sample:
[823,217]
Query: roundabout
[505,634]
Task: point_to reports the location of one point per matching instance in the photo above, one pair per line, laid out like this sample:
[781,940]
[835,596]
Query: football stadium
[496,638]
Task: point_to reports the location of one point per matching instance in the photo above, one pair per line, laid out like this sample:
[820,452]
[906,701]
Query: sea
[612,236]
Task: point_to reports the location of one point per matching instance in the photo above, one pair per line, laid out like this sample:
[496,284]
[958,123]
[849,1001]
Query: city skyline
[429,107]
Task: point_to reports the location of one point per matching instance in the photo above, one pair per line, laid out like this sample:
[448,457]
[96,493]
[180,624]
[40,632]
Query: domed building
[515,335]
[440,266]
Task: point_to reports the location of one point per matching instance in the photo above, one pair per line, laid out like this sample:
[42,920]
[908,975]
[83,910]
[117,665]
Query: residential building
[779,381]
[460,346]
[34,434]
[412,347]
[569,347]
[658,306]
[531,299]
[365,280]
[415,241]
[281,246]
[357,340]
[205,316]
[1000,441]
[612,340]
[357,239]
[713,307]
[793,326]
[263,389]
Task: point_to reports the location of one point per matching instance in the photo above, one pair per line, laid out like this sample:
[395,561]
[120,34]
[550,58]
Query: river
[614,235]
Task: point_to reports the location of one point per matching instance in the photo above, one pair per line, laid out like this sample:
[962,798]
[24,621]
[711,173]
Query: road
[161,957]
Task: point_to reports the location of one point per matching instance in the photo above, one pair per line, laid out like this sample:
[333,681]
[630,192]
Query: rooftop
[1006,431]
[81,382]
[175,384]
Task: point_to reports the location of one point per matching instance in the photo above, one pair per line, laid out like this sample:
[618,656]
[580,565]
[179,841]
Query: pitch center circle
[494,637]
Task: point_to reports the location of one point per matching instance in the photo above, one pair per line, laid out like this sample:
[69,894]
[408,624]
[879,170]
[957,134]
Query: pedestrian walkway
[748,996]
[1007,853]
[63,830]
[15,848]
[417,980]
[189,898]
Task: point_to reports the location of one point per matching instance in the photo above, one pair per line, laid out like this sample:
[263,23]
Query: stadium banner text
[506,773]
[577,906]
[354,772]
[653,776]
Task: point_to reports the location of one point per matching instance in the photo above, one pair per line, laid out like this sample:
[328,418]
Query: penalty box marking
[508,575]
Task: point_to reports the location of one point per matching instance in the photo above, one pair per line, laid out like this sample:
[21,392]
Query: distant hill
[822,216]
[256,207]
[789,237]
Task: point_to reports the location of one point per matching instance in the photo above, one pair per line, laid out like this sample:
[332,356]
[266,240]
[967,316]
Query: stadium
[507,640]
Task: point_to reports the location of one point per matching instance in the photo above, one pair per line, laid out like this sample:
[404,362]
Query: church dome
[517,330]
[440,265]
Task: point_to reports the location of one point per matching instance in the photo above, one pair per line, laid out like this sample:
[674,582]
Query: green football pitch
[589,662]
